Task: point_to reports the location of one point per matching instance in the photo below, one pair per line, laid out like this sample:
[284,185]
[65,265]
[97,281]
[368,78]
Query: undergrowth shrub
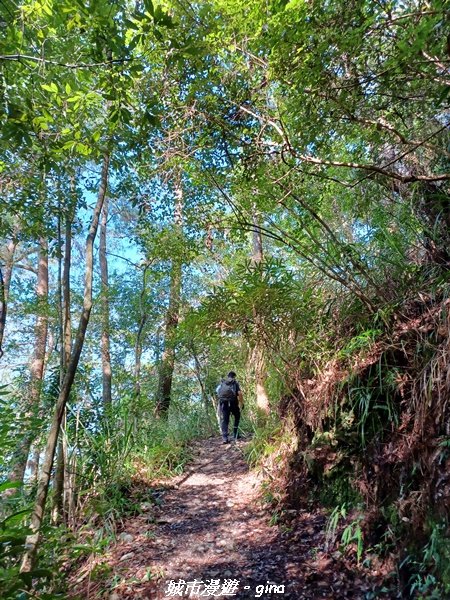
[425,568]
[118,473]
[371,426]
[123,461]
[45,581]
[264,441]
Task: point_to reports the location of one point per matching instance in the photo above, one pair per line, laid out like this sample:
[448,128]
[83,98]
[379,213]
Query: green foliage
[429,567]
[320,127]
[13,531]
[361,342]
[122,460]
[8,422]
[15,420]
[352,534]
[264,442]
[119,467]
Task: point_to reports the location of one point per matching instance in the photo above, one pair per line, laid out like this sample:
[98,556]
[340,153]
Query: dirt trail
[210,527]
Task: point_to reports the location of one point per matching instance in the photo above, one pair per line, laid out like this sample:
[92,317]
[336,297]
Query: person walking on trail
[230,397]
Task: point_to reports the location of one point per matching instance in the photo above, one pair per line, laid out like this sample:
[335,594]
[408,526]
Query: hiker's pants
[227,407]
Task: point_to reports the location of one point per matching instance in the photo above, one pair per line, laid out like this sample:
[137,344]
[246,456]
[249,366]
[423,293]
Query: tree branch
[352,165]
[20,57]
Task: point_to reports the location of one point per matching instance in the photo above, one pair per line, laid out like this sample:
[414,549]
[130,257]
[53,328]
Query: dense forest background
[193,187]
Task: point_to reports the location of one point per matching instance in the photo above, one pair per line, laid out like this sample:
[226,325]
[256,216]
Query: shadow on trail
[212,531]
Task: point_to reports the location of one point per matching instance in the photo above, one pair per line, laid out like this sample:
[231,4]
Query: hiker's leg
[224,418]
[237,416]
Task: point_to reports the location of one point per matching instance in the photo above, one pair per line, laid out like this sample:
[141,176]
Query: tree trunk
[143,316]
[70,476]
[105,341]
[167,364]
[37,362]
[44,480]
[58,480]
[259,367]
[3,306]
[198,375]
[58,491]
[5,282]
[34,465]
[66,346]
[258,360]
[137,357]
[66,321]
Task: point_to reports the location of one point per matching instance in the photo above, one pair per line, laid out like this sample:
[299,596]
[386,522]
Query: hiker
[230,397]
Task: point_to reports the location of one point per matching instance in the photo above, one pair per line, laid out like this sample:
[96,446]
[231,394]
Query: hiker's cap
[231,374]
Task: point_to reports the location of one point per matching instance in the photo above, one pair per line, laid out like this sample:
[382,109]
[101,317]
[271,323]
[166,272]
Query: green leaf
[7,485]
[83,149]
[149,6]
[12,539]
[151,118]
[27,578]
[134,42]
[52,87]
[41,573]
[163,18]
[125,115]
[131,24]
[16,517]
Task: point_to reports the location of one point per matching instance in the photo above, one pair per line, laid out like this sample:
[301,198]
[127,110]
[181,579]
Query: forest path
[210,527]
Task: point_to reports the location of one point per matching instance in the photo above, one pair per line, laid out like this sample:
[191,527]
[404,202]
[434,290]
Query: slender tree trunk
[3,308]
[5,282]
[69,491]
[58,493]
[137,361]
[167,364]
[58,480]
[34,465]
[137,357]
[66,345]
[138,345]
[258,360]
[62,467]
[105,341]
[137,373]
[259,366]
[66,320]
[70,476]
[44,480]
[198,375]
[37,362]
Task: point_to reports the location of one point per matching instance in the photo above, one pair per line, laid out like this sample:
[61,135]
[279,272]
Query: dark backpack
[227,390]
